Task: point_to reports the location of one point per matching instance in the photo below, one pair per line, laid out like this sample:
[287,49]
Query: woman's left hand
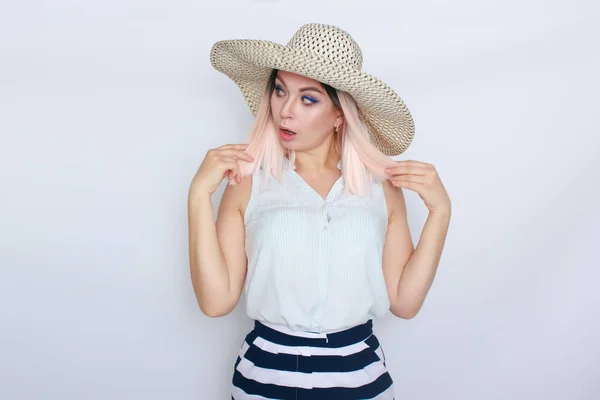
[423,179]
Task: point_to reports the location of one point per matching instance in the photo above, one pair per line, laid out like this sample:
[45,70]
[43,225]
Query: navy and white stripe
[314,264]
[348,364]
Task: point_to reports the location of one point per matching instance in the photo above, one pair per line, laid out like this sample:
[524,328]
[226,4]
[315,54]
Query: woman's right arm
[217,248]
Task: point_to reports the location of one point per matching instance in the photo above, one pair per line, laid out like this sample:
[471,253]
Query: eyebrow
[304,89]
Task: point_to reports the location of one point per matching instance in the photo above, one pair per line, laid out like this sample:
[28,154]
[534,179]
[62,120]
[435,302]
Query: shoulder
[394,198]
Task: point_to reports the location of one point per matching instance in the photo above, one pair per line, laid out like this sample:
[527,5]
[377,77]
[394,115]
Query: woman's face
[302,105]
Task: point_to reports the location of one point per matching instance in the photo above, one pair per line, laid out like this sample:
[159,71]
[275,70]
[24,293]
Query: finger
[414,163]
[228,163]
[408,185]
[236,173]
[233,167]
[237,154]
[236,146]
[409,178]
[235,176]
[406,169]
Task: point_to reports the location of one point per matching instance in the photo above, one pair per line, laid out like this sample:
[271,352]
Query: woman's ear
[339,120]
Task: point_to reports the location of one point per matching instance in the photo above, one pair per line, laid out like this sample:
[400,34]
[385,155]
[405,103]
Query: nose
[286,109]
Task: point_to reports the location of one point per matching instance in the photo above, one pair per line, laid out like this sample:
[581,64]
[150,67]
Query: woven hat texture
[327,54]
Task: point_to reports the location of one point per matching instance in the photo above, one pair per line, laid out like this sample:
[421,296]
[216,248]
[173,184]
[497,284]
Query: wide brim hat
[329,55]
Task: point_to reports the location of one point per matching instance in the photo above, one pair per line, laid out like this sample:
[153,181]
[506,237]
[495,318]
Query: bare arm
[410,271]
[421,267]
[217,248]
[398,246]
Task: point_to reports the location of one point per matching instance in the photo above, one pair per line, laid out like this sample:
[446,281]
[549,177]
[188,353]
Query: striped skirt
[281,364]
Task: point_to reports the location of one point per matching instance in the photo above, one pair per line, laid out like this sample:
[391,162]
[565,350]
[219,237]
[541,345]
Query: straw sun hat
[327,54]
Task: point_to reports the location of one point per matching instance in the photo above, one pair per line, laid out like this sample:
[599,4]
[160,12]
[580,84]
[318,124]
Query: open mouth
[286,134]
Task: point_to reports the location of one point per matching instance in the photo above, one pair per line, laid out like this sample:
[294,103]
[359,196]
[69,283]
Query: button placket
[326,217]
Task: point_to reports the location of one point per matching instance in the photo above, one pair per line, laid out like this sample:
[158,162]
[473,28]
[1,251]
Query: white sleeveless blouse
[314,264]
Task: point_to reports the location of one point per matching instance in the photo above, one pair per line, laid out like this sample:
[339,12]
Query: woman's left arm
[410,272]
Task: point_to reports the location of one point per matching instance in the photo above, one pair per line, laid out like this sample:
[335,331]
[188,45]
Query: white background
[108,108]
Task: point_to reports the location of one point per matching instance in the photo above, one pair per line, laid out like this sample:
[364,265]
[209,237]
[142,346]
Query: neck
[315,162]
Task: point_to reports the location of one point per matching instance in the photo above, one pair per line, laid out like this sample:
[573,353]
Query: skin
[313,116]
[408,272]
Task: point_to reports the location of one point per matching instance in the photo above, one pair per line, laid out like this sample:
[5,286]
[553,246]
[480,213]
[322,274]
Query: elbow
[215,312]
[215,309]
[404,311]
[212,304]
[406,315]
[409,315]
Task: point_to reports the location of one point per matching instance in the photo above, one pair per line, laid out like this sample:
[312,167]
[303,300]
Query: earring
[336,129]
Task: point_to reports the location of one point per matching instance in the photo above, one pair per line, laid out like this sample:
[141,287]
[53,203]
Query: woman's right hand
[217,164]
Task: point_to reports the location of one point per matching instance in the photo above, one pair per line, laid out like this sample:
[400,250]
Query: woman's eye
[307,101]
[310,101]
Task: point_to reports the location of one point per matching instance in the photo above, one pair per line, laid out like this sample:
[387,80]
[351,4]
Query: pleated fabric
[276,364]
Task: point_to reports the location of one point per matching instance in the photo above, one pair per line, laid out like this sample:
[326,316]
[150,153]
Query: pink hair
[363,163]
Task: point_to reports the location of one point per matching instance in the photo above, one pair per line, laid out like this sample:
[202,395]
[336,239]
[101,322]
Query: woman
[312,226]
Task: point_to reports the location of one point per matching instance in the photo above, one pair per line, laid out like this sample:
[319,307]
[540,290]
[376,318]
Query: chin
[288,145]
